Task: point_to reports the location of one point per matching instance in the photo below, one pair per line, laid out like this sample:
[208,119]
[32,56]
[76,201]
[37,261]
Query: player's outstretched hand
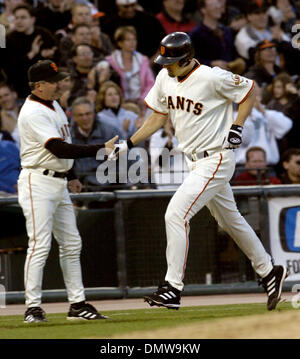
[110,145]
[118,148]
[234,139]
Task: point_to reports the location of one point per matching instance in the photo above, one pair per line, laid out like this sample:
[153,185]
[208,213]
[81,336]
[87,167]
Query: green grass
[123,321]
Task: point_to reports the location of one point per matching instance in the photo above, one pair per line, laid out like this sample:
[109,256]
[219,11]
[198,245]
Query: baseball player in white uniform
[198,99]
[47,159]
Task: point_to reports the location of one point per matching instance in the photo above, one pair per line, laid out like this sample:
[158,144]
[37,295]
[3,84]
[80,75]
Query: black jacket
[16,62]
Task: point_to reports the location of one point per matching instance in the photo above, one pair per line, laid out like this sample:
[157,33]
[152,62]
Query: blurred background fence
[124,243]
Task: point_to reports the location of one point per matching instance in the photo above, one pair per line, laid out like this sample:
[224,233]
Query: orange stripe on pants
[33,225]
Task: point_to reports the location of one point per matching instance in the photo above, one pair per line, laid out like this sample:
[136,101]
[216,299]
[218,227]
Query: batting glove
[234,139]
[119,148]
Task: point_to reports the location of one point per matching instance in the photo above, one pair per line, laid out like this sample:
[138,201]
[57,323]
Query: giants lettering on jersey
[181,103]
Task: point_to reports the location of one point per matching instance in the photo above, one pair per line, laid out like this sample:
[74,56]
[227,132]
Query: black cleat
[272,285]
[85,312]
[165,296]
[35,315]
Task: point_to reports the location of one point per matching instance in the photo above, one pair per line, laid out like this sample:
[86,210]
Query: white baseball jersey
[46,202]
[200,108]
[38,124]
[199,105]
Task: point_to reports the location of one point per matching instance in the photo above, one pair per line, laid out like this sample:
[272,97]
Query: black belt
[197,156]
[56,174]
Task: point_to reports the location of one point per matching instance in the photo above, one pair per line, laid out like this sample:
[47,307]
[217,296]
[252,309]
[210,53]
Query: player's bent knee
[173,217]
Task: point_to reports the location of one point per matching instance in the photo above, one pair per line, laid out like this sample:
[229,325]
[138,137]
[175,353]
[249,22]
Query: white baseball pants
[48,209]
[208,185]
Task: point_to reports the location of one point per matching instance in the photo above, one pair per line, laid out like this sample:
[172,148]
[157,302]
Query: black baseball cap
[264,45]
[45,70]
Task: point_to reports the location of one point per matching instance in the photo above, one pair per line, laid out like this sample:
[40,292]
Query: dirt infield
[274,325]
[123,304]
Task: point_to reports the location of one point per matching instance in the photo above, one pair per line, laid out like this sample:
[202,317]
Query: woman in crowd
[283,93]
[285,98]
[109,110]
[133,68]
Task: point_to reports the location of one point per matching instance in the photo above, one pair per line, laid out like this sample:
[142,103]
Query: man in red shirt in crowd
[291,165]
[173,18]
[256,173]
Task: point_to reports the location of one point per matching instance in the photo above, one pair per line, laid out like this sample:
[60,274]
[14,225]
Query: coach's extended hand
[110,145]
[119,148]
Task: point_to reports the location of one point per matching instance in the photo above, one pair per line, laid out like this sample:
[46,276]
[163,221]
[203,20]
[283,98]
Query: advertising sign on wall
[284,221]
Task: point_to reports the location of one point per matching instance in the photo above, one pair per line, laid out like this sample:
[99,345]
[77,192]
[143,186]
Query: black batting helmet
[175,47]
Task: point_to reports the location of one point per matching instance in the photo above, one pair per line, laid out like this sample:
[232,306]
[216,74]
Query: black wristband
[237,128]
[129,144]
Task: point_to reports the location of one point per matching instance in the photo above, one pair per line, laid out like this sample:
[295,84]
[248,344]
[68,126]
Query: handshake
[119,148]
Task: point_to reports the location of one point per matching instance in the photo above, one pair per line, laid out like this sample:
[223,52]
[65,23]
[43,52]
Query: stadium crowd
[108,48]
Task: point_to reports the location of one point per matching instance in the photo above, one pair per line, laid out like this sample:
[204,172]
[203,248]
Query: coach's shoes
[272,285]
[84,311]
[165,296]
[35,315]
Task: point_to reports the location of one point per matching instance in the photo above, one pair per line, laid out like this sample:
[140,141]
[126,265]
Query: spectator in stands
[215,38]
[9,164]
[283,92]
[81,14]
[283,12]
[291,164]
[80,66]
[82,34]
[264,69]
[7,17]
[110,111]
[285,98]
[133,68]
[83,72]
[235,20]
[10,108]
[288,54]
[258,30]
[87,130]
[263,128]
[148,28]
[133,107]
[255,31]
[256,169]
[65,86]
[25,46]
[53,15]
[173,18]
[168,165]
[100,40]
